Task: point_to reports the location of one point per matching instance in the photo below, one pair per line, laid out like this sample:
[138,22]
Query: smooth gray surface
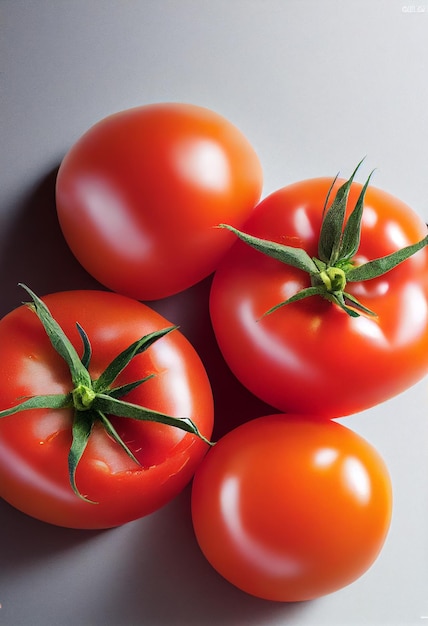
[315,85]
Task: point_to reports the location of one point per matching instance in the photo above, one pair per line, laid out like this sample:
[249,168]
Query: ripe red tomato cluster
[319,305]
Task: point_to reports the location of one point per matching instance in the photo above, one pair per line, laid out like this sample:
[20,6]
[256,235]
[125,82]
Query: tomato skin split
[34,444]
[288,508]
[140,194]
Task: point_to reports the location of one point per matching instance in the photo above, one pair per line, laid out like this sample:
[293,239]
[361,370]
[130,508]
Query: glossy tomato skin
[140,193]
[310,356]
[34,444]
[288,508]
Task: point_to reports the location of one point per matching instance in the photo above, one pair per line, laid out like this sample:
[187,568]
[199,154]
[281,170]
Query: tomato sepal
[338,243]
[49,401]
[93,399]
[83,422]
[87,349]
[378,267]
[120,408]
[119,363]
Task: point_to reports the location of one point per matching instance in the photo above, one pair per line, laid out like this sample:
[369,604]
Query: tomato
[34,444]
[310,356]
[289,508]
[140,194]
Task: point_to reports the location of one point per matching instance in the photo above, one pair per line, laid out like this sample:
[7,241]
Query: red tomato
[34,444]
[310,356]
[141,192]
[288,508]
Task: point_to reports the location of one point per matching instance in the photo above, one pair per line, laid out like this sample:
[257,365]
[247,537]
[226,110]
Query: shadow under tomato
[25,540]
[33,250]
[150,571]
[167,580]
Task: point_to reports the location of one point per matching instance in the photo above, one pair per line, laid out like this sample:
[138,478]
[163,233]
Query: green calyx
[94,400]
[338,243]
[83,397]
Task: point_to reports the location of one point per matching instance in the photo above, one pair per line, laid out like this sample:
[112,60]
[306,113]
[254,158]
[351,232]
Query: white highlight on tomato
[204,163]
[258,554]
[357,479]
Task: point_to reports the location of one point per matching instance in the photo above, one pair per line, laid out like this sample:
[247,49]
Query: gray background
[315,86]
